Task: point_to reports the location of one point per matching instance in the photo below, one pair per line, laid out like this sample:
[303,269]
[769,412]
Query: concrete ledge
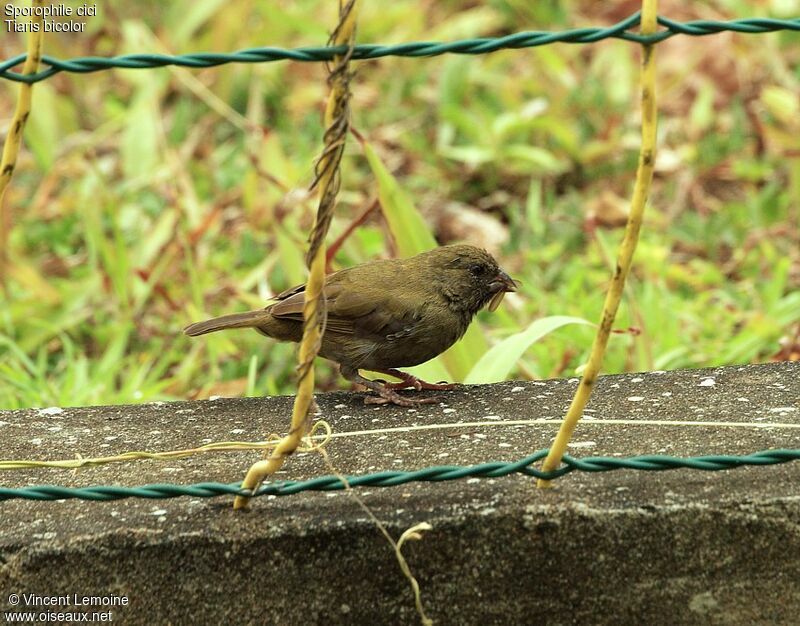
[623,547]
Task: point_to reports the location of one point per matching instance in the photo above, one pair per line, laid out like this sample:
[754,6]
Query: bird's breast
[418,341]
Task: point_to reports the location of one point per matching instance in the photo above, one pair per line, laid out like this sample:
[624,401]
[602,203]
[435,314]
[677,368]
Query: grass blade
[495,365]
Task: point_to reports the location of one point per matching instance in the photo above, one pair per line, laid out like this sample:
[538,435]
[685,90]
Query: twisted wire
[439,473]
[328,180]
[480,45]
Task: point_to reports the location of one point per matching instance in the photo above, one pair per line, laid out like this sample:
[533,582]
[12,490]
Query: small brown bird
[387,314]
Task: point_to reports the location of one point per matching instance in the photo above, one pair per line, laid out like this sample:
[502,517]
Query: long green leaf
[411,234]
[495,365]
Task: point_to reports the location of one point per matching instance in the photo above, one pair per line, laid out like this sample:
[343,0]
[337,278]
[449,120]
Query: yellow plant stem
[259,471]
[644,176]
[8,161]
[327,180]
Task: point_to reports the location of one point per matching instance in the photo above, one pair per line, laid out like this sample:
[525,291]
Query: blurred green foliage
[148,199]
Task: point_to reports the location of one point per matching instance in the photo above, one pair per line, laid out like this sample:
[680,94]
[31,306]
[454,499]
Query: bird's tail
[237,320]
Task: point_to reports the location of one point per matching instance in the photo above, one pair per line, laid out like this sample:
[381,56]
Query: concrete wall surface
[622,547]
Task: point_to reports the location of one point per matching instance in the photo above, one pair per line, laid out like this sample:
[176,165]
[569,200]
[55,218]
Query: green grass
[144,200]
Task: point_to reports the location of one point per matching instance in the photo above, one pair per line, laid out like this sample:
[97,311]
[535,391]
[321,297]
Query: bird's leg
[409,381]
[387,394]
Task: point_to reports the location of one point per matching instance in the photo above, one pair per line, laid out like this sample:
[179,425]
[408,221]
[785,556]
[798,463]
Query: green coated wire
[440,473]
[483,45]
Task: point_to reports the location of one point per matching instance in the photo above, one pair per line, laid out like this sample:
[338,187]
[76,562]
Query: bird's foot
[387,394]
[390,396]
[409,381]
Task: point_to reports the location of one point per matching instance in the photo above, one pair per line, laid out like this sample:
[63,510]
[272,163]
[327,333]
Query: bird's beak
[502,284]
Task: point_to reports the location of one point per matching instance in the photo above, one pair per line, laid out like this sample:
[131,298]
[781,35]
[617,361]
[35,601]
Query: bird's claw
[440,386]
[406,384]
[412,382]
[386,393]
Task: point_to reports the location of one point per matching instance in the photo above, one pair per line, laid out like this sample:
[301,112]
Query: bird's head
[469,277]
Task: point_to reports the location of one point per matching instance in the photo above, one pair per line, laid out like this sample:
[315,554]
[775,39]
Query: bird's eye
[476,269]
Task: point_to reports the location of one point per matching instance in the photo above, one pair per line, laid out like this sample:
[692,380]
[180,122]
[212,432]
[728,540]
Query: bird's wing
[348,307]
[290,307]
[284,295]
